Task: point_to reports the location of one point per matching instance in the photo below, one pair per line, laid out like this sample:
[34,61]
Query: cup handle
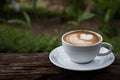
[109,46]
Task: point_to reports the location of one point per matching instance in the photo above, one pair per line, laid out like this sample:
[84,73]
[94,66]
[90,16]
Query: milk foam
[81,38]
[86,36]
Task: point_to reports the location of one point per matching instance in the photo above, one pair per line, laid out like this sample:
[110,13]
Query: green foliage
[105,5]
[81,17]
[107,16]
[112,40]
[77,5]
[76,10]
[108,9]
[115,42]
[22,22]
[12,40]
[28,21]
[42,12]
[85,16]
[110,29]
[47,43]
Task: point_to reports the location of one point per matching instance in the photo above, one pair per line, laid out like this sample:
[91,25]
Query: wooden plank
[25,66]
[38,67]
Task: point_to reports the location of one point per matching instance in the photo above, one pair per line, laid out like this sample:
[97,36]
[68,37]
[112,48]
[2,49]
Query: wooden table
[36,66]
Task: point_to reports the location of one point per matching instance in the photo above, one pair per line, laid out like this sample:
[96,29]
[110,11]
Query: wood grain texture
[36,66]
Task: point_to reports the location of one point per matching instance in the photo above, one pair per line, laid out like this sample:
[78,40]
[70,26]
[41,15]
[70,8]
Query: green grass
[18,41]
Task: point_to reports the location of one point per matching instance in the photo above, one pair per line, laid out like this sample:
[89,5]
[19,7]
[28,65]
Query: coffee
[82,46]
[81,38]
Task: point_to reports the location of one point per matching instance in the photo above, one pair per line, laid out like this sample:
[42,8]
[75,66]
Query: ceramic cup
[85,54]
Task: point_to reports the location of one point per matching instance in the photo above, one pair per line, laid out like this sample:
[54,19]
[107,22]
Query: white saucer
[59,58]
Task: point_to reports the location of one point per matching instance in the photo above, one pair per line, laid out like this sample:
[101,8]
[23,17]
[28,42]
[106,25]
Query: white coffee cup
[85,54]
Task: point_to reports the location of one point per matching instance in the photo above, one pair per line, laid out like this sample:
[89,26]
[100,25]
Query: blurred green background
[32,26]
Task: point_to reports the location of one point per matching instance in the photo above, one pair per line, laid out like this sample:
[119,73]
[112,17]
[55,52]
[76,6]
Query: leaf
[85,16]
[22,22]
[27,19]
[18,21]
[73,23]
[107,16]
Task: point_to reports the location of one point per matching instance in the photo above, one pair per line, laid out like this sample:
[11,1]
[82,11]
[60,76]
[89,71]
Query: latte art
[86,36]
[81,38]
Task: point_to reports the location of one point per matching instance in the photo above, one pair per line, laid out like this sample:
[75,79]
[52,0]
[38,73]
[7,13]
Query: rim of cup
[101,38]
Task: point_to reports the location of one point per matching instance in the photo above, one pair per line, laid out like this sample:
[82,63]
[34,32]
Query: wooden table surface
[36,66]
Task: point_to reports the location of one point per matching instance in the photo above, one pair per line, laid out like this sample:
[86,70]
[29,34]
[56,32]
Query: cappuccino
[82,46]
[81,38]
